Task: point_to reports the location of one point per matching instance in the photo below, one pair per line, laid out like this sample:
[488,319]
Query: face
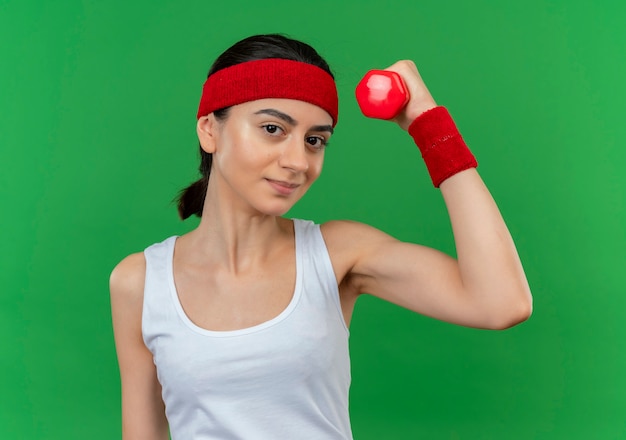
[267,153]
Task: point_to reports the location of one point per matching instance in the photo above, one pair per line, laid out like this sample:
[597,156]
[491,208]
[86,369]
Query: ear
[207,129]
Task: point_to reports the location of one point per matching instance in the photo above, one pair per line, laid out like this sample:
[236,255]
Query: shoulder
[127,279]
[351,234]
[350,243]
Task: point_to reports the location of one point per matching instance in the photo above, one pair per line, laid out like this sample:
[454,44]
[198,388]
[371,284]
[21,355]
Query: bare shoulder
[352,235]
[127,279]
[126,286]
[350,242]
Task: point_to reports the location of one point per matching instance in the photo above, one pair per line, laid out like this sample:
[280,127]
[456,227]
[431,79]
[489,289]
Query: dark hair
[257,47]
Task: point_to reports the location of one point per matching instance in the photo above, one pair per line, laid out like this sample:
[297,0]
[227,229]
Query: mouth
[282,187]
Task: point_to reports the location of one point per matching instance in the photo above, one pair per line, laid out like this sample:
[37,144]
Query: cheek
[237,149]
[315,167]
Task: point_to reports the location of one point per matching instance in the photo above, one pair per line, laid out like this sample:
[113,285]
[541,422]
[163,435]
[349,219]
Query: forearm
[489,265]
[490,272]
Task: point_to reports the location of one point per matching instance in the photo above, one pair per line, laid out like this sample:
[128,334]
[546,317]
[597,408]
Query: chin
[276,209]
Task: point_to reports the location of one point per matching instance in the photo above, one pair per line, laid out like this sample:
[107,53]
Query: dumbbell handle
[381,94]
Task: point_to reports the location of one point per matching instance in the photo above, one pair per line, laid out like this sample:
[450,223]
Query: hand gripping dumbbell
[381,94]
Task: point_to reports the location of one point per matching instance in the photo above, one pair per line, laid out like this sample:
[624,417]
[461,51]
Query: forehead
[299,110]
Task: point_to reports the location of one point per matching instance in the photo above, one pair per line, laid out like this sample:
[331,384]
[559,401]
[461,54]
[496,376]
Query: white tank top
[287,378]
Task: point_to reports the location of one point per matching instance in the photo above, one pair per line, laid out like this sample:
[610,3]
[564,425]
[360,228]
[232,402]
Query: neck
[236,238]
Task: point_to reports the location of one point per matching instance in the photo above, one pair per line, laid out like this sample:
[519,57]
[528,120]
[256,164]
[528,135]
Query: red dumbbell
[381,94]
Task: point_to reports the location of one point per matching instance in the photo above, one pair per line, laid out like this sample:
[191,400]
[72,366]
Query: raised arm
[484,287]
[143,411]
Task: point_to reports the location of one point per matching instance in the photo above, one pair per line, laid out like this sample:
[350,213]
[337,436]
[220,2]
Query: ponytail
[191,199]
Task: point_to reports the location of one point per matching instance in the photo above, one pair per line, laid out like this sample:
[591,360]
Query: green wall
[97,135]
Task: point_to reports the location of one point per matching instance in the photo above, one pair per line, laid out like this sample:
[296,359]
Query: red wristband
[443,149]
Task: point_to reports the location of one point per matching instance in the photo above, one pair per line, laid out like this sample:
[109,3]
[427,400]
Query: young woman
[239,329]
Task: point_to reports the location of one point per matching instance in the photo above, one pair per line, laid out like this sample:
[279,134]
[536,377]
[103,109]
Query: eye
[272,129]
[316,142]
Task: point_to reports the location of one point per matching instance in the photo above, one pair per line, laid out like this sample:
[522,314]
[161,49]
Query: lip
[282,187]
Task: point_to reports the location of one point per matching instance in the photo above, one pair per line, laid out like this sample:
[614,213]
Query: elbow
[513,314]
[514,318]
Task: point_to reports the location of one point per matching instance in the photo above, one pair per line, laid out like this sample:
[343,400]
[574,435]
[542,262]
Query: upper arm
[412,276]
[143,413]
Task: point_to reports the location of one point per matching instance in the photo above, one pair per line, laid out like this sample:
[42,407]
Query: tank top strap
[158,306]
[311,249]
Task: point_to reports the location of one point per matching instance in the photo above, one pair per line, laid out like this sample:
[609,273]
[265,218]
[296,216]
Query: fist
[397,93]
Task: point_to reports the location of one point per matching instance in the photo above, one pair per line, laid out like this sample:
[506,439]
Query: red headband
[269,78]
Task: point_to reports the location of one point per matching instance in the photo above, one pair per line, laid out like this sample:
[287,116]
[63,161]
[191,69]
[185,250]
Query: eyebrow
[291,121]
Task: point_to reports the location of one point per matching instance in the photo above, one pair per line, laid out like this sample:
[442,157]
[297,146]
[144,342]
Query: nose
[294,156]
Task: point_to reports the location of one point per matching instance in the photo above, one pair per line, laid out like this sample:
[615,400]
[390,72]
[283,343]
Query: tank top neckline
[295,298]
